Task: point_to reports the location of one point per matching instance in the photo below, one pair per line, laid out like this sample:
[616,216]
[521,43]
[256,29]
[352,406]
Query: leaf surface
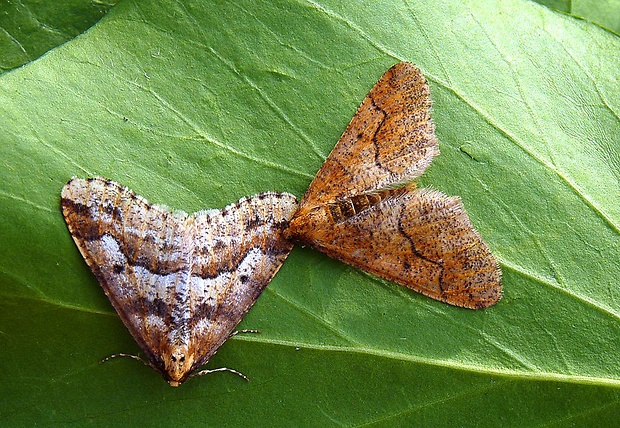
[605,13]
[29,28]
[196,104]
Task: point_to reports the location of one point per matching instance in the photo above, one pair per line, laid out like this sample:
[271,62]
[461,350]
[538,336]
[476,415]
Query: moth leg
[221,369]
[135,357]
[236,332]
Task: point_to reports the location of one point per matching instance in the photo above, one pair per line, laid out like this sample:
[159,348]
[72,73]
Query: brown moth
[181,283]
[363,207]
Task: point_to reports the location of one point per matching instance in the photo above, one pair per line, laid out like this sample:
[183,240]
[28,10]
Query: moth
[180,283]
[363,207]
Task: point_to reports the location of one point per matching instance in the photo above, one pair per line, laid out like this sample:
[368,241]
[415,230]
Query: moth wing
[390,140]
[134,249]
[237,252]
[174,278]
[421,239]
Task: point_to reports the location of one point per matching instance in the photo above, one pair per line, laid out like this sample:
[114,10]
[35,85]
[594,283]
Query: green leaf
[29,28]
[605,13]
[195,104]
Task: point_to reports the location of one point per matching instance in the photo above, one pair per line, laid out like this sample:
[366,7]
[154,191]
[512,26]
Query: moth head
[178,365]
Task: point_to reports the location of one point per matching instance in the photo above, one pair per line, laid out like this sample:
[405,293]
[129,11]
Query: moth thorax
[307,222]
[178,365]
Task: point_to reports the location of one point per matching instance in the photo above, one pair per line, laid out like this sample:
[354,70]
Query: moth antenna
[236,332]
[221,369]
[135,357]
